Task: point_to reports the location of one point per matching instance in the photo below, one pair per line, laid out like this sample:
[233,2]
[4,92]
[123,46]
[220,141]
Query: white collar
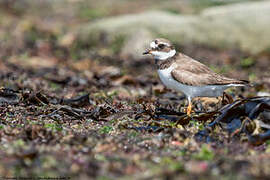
[163,55]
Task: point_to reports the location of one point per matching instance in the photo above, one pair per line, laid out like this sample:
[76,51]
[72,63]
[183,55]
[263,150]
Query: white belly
[190,91]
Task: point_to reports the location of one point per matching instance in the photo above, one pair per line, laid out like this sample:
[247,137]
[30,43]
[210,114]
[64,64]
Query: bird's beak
[147,51]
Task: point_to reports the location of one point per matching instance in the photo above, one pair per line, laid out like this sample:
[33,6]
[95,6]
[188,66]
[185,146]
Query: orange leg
[189,108]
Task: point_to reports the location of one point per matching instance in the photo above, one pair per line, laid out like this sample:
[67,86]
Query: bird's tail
[242,83]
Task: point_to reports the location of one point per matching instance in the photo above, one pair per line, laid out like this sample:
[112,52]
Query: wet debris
[259,139]
[79,101]
[9,96]
[239,117]
[37,98]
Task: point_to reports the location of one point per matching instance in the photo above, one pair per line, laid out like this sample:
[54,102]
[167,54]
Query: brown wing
[191,72]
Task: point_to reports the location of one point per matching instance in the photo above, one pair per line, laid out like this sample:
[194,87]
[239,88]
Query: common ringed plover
[182,73]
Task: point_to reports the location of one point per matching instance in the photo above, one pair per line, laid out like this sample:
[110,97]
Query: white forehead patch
[153,45]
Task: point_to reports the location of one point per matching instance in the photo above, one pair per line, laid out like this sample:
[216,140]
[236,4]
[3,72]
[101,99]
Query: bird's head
[161,49]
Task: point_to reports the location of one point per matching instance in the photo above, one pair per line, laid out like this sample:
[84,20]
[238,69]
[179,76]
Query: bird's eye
[161,46]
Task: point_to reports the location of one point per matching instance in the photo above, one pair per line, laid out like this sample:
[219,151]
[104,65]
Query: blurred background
[78,29]
[217,32]
[54,50]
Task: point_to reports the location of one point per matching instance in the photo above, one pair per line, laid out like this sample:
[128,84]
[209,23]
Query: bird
[182,73]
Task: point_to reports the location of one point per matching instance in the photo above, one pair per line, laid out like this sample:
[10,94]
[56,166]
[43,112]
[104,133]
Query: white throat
[163,55]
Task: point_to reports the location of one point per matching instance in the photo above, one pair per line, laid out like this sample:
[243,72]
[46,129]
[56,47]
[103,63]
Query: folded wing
[191,72]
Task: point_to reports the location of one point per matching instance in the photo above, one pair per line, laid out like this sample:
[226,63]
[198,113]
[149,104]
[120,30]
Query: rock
[148,24]
[244,26]
[136,44]
[240,25]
